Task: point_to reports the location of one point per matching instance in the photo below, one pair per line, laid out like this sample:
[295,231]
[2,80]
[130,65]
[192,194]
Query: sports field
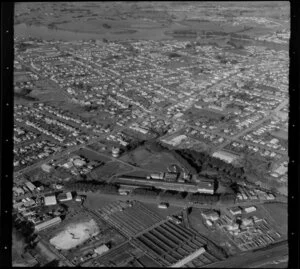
[75,234]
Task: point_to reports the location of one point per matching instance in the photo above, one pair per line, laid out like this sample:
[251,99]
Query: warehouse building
[235,211]
[50,200]
[63,197]
[102,249]
[30,186]
[47,224]
[250,209]
[225,156]
[210,215]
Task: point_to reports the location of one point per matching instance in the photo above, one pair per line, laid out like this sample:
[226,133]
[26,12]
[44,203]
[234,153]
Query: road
[253,258]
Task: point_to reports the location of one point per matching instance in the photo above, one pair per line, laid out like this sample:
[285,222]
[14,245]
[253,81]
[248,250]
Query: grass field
[96,200]
[152,161]
[278,212]
[92,156]
[108,170]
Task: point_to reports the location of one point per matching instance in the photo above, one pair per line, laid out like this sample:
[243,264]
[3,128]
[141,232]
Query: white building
[30,186]
[250,209]
[50,200]
[225,156]
[65,197]
[102,249]
[235,211]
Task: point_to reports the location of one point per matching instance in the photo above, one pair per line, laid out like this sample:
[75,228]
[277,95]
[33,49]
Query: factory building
[210,215]
[47,224]
[169,176]
[225,156]
[102,249]
[63,197]
[250,209]
[50,200]
[30,186]
[235,211]
[157,176]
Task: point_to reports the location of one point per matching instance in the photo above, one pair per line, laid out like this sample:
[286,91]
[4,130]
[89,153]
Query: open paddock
[145,159]
[92,156]
[110,169]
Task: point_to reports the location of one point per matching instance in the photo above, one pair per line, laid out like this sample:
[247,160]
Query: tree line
[93,186]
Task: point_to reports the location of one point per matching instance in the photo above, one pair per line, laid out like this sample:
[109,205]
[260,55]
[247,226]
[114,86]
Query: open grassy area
[108,170]
[148,160]
[92,156]
[278,212]
[97,200]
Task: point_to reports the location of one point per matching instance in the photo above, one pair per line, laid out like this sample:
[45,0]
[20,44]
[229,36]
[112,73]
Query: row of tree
[153,192]
[202,161]
[204,198]
[176,195]
[93,186]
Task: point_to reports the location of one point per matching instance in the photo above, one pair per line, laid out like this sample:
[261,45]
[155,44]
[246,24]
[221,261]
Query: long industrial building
[202,187]
[47,224]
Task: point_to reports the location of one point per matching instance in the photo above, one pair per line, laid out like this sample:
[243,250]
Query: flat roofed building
[171,176]
[250,209]
[62,197]
[102,249]
[30,186]
[225,156]
[210,215]
[157,175]
[50,200]
[235,210]
[47,224]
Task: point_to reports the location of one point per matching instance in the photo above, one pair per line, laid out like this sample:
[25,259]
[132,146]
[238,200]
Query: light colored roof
[100,250]
[50,200]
